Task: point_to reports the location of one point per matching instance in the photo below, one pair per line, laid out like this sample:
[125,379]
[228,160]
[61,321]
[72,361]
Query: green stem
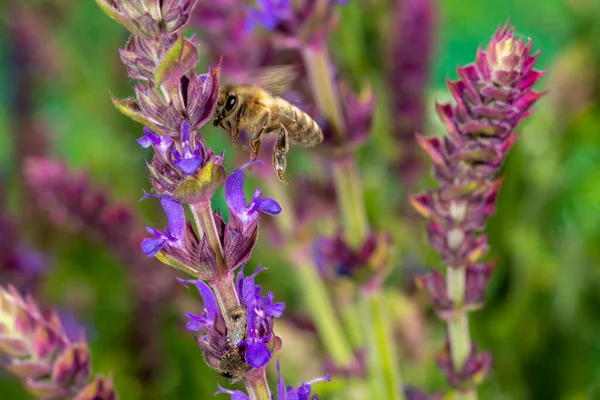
[384,376]
[256,384]
[351,201]
[458,327]
[322,312]
[345,302]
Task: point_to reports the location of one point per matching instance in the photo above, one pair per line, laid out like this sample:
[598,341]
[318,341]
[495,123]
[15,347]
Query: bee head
[226,103]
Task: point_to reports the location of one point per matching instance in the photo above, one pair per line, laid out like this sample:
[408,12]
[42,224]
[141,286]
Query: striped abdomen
[301,128]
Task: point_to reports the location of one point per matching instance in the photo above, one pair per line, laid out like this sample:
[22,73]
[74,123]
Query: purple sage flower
[254,347]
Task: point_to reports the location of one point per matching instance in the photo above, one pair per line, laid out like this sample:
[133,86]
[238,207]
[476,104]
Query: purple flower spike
[236,199]
[189,161]
[173,235]
[160,143]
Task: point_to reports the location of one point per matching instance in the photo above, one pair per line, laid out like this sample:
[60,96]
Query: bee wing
[277,79]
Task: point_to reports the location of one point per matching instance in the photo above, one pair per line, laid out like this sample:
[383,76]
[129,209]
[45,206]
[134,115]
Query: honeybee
[258,109]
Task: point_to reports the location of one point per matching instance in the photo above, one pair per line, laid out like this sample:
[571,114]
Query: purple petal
[175,215]
[235,395]
[234,192]
[281,393]
[195,322]
[269,206]
[208,297]
[185,132]
[257,354]
[189,165]
[152,246]
[144,141]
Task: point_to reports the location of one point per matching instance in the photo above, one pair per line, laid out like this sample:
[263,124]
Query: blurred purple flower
[40,353]
[335,258]
[412,393]
[475,369]
[297,23]
[410,54]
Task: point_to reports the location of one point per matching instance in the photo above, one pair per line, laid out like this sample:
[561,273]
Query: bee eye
[230,102]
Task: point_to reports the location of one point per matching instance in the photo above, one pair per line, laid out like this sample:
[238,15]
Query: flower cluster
[336,259]
[231,353]
[180,246]
[492,96]
[19,262]
[40,353]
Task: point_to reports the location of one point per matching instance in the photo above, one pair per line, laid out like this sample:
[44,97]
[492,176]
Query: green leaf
[131,109]
[181,57]
[117,16]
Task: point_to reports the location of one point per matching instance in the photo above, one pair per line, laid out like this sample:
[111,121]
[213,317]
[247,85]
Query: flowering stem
[205,222]
[458,327]
[256,384]
[384,376]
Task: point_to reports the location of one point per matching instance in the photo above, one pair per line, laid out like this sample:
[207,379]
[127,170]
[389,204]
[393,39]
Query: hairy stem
[223,286]
[458,327]
[256,384]
[205,222]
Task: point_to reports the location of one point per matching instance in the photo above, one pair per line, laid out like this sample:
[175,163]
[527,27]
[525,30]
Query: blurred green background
[542,317]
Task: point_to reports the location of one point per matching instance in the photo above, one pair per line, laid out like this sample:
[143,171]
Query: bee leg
[255,143]
[235,134]
[280,154]
[238,118]
[256,137]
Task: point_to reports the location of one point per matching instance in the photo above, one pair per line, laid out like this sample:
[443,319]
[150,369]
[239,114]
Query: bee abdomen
[302,129]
